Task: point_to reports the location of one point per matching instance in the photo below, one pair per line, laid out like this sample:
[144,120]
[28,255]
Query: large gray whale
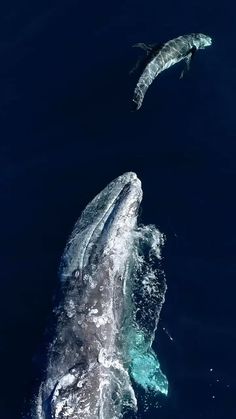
[161,57]
[87,374]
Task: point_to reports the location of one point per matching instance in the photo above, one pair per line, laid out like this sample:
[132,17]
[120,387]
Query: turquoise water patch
[144,366]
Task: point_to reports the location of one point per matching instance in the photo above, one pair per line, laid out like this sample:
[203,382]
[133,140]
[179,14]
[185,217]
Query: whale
[162,56]
[88,359]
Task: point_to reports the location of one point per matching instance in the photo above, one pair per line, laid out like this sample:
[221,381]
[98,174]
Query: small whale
[162,56]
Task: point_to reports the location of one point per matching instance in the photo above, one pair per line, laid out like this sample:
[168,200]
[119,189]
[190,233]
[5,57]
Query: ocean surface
[66,130]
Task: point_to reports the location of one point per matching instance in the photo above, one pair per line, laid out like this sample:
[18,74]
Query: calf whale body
[112,294]
[161,57]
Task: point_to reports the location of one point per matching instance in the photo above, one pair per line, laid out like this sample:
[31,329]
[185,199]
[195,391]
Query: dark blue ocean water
[66,130]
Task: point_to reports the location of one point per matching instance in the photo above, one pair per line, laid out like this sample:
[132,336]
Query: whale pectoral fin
[146,47]
[136,66]
[149,48]
[188,60]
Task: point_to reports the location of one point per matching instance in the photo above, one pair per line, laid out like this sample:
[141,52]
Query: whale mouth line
[114,206]
[116,202]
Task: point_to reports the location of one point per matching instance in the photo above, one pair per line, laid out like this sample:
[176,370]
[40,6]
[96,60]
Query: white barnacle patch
[93,285]
[100,321]
[86,278]
[81,382]
[70,309]
[64,382]
[93,311]
[81,321]
[104,358]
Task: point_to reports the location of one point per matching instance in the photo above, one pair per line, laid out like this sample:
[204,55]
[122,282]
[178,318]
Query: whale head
[201,41]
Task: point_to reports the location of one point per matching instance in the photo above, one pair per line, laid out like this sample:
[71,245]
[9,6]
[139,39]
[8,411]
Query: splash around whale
[112,291]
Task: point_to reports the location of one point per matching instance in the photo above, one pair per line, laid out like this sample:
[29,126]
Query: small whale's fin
[136,66]
[188,60]
[146,47]
[151,50]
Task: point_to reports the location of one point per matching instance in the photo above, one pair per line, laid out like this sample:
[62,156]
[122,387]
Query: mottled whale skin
[162,57]
[84,356]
